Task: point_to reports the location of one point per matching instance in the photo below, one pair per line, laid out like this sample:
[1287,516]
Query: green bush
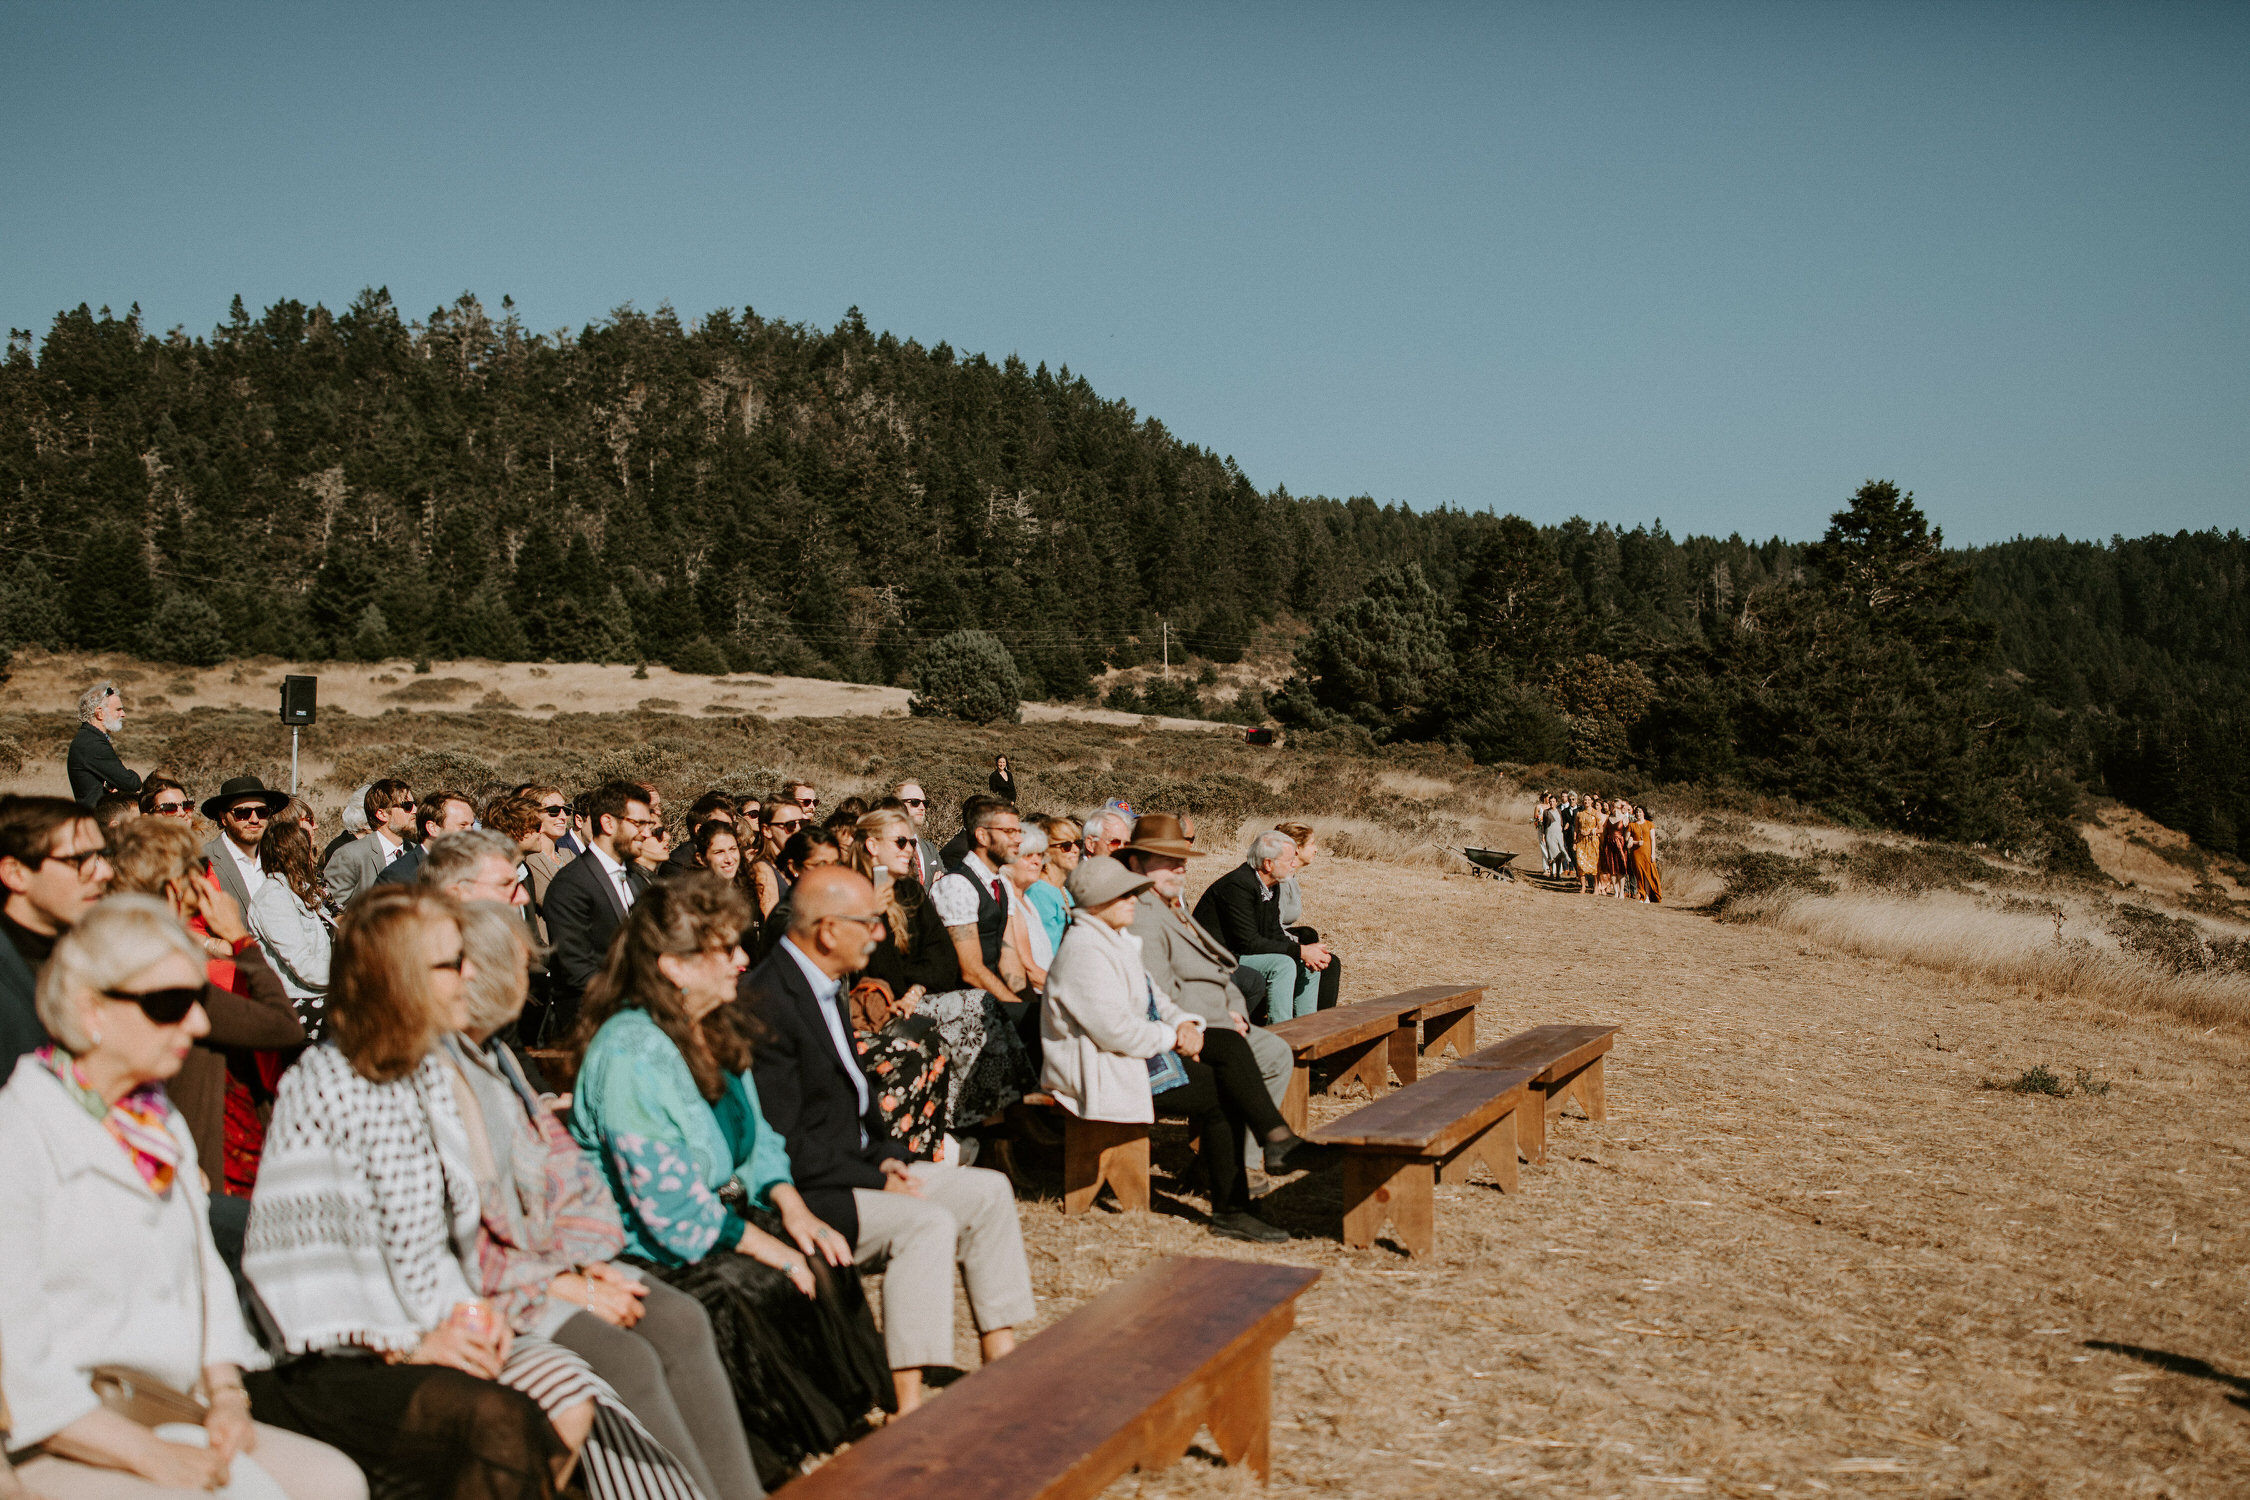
[186,631]
[968,675]
[700,657]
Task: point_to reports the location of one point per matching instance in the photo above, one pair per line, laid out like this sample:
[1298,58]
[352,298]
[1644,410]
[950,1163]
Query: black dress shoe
[1296,1154]
[1243,1225]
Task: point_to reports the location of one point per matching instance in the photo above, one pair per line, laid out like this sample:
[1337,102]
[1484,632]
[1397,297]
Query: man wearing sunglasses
[589,897]
[390,831]
[242,809]
[928,862]
[93,766]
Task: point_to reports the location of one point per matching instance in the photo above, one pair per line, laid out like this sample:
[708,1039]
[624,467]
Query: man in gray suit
[1182,959]
[390,830]
[916,804]
[242,809]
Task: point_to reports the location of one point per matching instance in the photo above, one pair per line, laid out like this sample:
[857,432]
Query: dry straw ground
[1810,1251]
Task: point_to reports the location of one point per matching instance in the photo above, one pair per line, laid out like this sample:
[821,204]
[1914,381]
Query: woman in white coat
[1116,1049]
[108,1250]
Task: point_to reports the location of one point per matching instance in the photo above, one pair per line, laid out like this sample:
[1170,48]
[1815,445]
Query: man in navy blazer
[1240,910]
[589,897]
[92,765]
[911,1219]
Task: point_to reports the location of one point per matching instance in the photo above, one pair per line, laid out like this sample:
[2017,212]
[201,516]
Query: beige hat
[1101,880]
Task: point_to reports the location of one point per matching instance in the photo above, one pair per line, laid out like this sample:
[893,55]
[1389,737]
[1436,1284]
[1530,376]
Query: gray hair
[453,860]
[1271,844]
[1090,825]
[498,947]
[122,936]
[1034,840]
[355,810]
[90,702]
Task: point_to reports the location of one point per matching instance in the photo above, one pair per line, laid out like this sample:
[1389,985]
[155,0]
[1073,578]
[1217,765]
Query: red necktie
[996,892]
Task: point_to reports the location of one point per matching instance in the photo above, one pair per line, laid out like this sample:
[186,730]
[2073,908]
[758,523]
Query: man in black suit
[439,814]
[912,1220]
[93,766]
[1239,909]
[589,896]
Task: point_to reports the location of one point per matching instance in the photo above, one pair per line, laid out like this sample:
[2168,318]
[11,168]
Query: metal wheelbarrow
[1492,862]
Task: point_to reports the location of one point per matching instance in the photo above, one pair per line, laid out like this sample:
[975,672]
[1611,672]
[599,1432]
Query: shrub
[1756,875]
[187,631]
[700,657]
[968,675]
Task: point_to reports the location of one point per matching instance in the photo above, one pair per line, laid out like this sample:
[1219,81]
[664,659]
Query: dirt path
[1806,1254]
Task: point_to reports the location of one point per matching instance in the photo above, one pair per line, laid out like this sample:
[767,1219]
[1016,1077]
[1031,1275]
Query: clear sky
[1717,264]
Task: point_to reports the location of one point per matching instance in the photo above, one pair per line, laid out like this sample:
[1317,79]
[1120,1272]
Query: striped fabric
[620,1460]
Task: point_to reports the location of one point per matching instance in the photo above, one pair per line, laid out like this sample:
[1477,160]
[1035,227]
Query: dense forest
[746,494]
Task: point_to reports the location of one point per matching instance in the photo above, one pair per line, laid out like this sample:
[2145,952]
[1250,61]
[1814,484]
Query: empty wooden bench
[1399,1148]
[1097,1152]
[1122,1383]
[1566,1062]
[1370,1038]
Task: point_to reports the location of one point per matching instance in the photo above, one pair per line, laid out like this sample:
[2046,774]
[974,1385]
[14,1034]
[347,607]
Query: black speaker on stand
[300,703]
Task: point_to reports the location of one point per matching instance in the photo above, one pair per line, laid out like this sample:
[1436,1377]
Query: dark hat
[1161,834]
[236,788]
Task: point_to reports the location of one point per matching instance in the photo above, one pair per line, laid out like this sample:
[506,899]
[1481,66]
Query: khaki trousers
[965,1215]
[304,1469]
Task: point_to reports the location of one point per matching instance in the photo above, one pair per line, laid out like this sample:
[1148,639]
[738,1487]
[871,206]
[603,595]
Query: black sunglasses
[915,801]
[164,1007]
[173,809]
[248,811]
[554,809]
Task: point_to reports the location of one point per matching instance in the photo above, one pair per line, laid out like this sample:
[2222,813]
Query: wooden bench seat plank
[1569,1063]
[1326,1032]
[1369,1040]
[1124,1381]
[1433,1116]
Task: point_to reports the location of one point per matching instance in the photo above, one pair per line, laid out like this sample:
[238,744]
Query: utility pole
[1167,650]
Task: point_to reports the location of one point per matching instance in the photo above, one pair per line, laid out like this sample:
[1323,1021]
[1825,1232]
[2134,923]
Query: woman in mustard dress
[1592,817]
[1644,856]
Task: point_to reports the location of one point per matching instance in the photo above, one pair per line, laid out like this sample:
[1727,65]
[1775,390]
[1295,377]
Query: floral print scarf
[141,1121]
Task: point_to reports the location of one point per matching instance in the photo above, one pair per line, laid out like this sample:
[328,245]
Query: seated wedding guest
[718,848]
[439,814]
[353,867]
[782,820]
[106,1242]
[1289,906]
[1050,897]
[115,810]
[703,810]
[1118,1049]
[972,898]
[809,848]
[367,1200]
[224,1086]
[289,916]
[589,896]
[1241,911]
[911,1220]
[665,1100]
[898,1042]
[547,1248]
[1027,929]
[987,1066]
[162,797]
[524,823]
[1185,962]
[1106,832]
[844,823]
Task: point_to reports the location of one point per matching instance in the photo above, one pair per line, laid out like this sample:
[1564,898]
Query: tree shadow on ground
[2180,1364]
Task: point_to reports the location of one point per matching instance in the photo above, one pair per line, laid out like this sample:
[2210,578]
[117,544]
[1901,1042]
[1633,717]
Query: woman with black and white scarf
[365,1221]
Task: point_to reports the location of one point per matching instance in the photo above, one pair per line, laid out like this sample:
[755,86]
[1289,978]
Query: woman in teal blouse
[665,1101]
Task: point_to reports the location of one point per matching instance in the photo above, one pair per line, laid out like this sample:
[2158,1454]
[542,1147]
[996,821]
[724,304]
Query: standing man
[589,896]
[93,766]
[913,1220]
[928,865]
[242,809]
[441,813]
[389,806]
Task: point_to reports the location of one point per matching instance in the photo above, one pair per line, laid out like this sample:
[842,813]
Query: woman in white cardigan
[107,1248]
[288,915]
[1116,1049]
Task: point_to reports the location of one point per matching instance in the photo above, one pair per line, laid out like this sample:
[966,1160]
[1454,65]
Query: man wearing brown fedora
[1183,960]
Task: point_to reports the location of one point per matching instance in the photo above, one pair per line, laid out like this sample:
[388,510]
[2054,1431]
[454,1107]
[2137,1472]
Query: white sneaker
[954,1152]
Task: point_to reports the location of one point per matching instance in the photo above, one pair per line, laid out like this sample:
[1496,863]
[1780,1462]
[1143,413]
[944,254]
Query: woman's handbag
[140,1397]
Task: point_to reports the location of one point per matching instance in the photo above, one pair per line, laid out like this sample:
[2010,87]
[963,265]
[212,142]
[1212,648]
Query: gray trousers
[666,1370]
[965,1214]
[1275,1063]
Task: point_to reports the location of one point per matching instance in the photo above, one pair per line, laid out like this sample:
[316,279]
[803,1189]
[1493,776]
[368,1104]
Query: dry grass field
[1819,1246]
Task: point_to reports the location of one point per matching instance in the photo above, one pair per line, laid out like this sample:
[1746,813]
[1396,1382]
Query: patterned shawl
[140,1122]
[366,1210]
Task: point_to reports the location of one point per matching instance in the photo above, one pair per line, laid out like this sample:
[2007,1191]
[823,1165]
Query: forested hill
[755,495]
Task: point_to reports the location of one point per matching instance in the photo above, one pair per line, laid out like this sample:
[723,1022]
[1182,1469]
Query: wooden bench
[1122,1383]
[1567,1062]
[1399,1148]
[1097,1152]
[1370,1038]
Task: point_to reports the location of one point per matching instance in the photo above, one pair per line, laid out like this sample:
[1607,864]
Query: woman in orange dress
[1643,830]
[1592,815]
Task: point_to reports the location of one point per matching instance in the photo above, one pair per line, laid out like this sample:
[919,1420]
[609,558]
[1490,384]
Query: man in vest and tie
[589,897]
[988,959]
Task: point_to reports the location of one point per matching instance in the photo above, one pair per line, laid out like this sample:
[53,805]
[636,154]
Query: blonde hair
[121,937]
[151,855]
[863,860]
[498,947]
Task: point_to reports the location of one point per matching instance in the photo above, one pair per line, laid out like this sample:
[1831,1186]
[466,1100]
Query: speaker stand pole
[293,732]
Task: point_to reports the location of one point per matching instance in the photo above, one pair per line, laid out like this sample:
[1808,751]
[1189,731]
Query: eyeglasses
[790,826]
[555,809]
[875,921]
[1068,844]
[898,842]
[174,809]
[249,812]
[808,803]
[167,1007]
[77,861]
[915,801]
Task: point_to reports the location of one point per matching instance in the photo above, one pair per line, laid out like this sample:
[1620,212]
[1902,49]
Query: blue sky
[1711,263]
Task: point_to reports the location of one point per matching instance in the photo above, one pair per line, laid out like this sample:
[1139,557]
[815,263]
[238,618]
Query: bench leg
[1458,1031]
[1367,1062]
[1531,1125]
[1240,1413]
[1099,1151]
[1296,1104]
[1495,1146]
[1402,1055]
[1585,1086]
[1397,1188]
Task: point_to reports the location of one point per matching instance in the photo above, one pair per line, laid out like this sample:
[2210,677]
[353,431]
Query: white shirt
[253,875]
[824,991]
[956,895]
[616,873]
[390,848]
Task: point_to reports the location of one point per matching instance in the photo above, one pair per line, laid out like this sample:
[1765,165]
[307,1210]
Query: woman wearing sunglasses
[108,1250]
[769,886]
